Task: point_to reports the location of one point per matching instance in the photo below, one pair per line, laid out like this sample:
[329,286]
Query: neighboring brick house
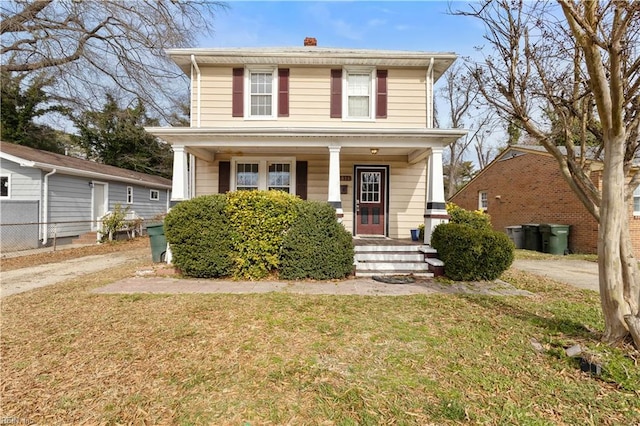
[353,127]
[524,185]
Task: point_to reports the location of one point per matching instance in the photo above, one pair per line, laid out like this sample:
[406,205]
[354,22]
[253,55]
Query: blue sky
[395,25]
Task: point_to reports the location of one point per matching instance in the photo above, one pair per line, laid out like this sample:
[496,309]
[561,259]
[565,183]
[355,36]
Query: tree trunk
[612,233]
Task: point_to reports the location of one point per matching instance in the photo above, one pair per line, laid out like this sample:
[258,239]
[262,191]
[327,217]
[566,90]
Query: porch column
[334,181]
[179,187]
[435,209]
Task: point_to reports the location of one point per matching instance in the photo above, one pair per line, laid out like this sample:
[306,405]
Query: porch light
[374,151]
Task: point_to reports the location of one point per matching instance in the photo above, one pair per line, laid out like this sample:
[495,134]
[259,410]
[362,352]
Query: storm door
[370,204]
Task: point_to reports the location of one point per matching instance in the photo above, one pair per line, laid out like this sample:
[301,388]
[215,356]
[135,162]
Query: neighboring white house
[351,127]
[43,188]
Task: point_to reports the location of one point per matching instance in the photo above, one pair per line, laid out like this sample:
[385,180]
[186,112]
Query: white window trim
[129,188]
[247,92]
[480,206]
[8,196]
[636,194]
[157,192]
[372,94]
[263,170]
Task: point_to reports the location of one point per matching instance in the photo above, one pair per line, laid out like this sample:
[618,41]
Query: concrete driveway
[578,273]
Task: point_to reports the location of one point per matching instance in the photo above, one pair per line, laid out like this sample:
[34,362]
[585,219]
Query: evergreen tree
[21,104]
[116,136]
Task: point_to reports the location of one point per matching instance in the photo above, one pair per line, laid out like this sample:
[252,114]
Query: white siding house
[351,127]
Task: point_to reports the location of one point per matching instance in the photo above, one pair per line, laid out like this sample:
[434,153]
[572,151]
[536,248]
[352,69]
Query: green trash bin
[532,236]
[555,238]
[158,242]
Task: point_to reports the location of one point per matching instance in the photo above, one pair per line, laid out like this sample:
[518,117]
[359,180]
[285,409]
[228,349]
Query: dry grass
[73,357]
[63,253]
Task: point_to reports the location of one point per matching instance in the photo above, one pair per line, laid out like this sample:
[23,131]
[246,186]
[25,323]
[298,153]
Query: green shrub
[316,246]
[259,221]
[471,254]
[476,219]
[198,232]
[114,222]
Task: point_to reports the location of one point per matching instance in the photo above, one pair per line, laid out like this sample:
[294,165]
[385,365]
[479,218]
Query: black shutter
[301,179]
[224,176]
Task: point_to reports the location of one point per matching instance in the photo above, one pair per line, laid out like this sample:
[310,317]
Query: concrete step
[365,274]
[385,249]
[389,257]
[392,266]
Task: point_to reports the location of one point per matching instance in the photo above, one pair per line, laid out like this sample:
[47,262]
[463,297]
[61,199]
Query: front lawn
[73,357]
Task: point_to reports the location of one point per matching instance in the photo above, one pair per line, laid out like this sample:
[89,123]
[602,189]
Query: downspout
[45,207]
[430,95]
[198,79]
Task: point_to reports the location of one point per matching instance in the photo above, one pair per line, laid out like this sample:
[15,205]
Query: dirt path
[25,279]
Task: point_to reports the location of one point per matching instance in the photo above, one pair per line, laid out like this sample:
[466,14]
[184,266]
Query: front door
[370,201]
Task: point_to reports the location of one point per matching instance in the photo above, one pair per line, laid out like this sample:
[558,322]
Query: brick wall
[529,188]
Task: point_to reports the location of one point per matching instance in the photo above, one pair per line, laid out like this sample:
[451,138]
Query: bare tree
[113,46]
[569,74]
[461,96]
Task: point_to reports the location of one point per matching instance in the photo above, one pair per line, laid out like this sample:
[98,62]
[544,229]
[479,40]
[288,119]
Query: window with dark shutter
[381,98]
[238,93]
[336,93]
[301,179]
[283,92]
[224,176]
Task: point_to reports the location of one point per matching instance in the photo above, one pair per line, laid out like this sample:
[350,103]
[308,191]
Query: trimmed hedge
[259,222]
[198,232]
[316,246]
[471,254]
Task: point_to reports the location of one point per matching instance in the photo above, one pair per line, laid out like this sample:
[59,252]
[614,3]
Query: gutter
[45,207]
[198,79]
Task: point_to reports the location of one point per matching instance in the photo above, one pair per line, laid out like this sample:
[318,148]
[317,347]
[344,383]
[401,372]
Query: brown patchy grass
[73,357]
[63,253]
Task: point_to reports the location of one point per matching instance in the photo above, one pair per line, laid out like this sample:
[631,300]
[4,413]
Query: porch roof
[311,137]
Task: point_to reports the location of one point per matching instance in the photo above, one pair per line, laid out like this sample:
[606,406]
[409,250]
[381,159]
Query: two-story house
[348,126]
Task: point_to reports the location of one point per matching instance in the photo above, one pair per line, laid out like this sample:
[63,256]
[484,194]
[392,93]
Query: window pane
[4,186]
[370,187]
[279,177]
[358,95]
[261,93]
[246,176]
[358,106]
[636,204]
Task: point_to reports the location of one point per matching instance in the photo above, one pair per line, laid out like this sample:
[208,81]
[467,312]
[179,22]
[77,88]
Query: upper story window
[260,93]
[636,201]
[483,201]
[5,186]
[154,195]
[358,94]
[358,98]
[129,194]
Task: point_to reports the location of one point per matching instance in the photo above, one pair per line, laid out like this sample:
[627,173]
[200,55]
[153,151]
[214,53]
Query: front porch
[388,256]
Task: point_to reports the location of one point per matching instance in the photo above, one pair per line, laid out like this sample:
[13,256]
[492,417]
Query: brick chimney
[310,41]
